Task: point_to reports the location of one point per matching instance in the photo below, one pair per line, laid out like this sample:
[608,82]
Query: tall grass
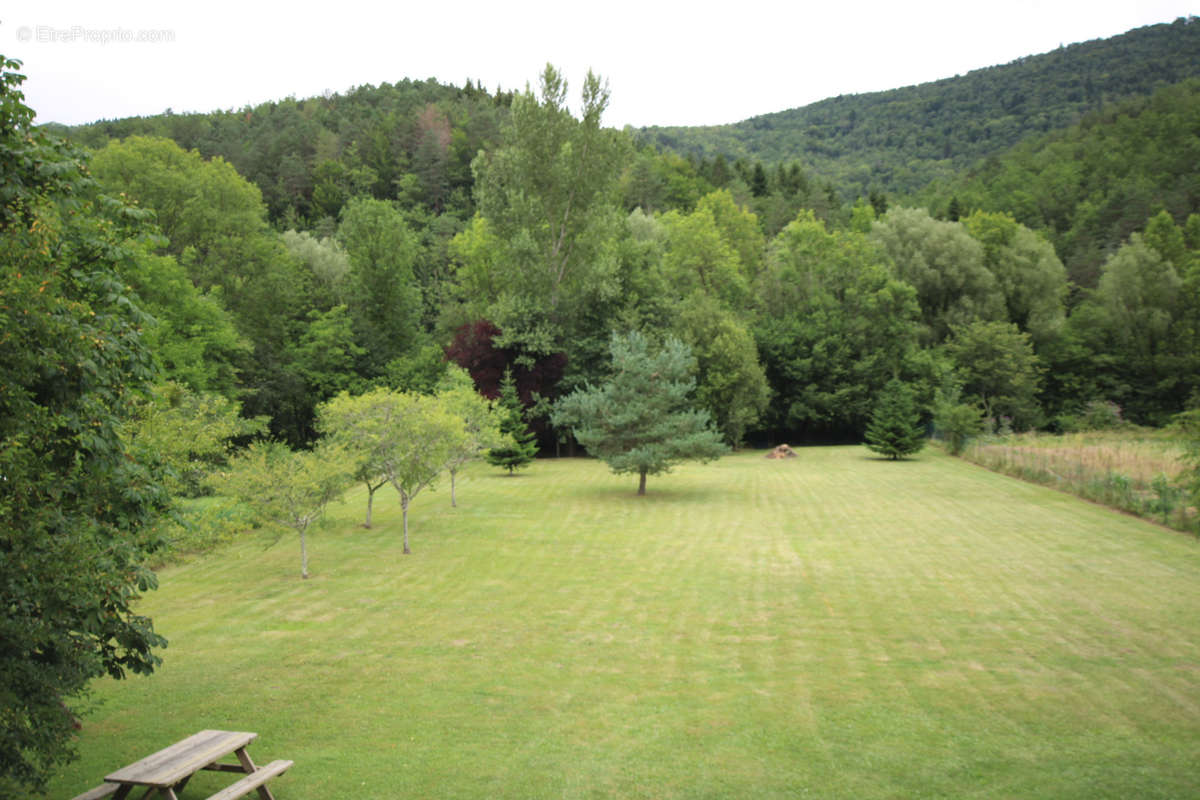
[1138,471]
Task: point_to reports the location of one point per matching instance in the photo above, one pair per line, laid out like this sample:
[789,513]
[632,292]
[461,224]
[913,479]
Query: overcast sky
[666,63]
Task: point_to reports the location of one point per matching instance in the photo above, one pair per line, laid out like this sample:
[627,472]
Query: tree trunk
[303,557]
[404,514]
[453,502]
[370,502]
[641,483]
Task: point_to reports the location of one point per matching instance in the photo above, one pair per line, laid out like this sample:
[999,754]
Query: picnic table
[168,771]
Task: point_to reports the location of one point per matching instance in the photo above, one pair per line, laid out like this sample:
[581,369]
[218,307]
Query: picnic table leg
[248,764]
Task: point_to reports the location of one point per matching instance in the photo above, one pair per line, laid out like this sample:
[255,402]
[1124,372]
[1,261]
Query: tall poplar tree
[549,194]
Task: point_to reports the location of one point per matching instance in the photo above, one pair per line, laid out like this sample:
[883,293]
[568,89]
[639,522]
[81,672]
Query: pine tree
[641,421]
[895,429]
[522,443]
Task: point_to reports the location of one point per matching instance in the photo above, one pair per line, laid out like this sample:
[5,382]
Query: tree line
[796,325]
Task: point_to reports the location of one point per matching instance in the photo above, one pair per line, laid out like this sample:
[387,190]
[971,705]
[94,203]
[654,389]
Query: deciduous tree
[77,502]
[403,437]
[480,419]
[998,369]
[945,265]
[549,194]
[288,488]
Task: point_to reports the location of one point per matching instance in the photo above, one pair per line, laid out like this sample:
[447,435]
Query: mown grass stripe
[827,626]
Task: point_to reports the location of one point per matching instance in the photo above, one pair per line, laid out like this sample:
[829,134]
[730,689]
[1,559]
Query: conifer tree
[640,421]
[521,448]
[895,429]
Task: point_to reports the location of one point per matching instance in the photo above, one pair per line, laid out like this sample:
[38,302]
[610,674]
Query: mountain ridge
[947,125]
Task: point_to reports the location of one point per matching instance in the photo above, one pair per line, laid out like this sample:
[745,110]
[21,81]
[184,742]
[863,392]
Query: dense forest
[346,241]
[897,141]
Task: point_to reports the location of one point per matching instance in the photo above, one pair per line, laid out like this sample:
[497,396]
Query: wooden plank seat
[103,790]
[252,781]
[165,773]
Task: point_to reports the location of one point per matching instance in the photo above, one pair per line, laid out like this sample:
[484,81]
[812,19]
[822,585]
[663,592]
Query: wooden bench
[252,781]
[166,772]
[103,790]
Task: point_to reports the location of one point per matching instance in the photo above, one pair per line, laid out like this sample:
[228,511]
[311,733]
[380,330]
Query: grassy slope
[828,626]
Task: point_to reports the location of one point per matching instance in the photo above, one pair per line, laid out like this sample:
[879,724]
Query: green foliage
[190,433]
[1100,415]
[699,260]
[480,417]
[77,501]
[519,445]
[549,195]
[997,368]
[287,488]
[945,265]
[1028,273]
[326,261]
[730,382]
[956,423]
[381,290]
[895,429]
[1135,339]
[1090,186]
[833,328]
[404,438]
[216,225]
[900,140]
[193,337]
[1188,424]
[327,354]
[640,420]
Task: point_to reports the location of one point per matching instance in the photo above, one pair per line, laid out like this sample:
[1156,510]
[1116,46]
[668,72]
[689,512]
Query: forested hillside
[1089,186]
[897,141]
[350,241]
[411,140]
[357,239]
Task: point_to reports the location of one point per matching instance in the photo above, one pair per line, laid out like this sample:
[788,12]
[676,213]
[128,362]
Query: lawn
[827,626]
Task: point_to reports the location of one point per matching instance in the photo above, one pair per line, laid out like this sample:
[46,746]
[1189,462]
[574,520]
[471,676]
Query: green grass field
[828,626]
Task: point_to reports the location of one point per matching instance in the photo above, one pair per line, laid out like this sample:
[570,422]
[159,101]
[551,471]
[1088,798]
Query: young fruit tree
[403,437]
[479,416]
[286,488]
[895,428]
[352,421]
[640,420]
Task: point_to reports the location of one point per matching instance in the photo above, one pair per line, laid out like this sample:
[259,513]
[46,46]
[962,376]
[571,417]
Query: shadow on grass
[654,494]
